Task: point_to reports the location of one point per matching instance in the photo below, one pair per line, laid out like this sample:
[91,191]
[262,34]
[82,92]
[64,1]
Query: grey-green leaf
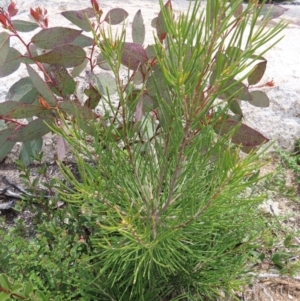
[103,82]
[24,110]
[67,55]
[160,22]
[8,106]
[116,16]
[75,109]
[41,86]
[237,90]
[4,46]
[83,41]
[33,130]
[138,28]
[61,79]
[249,138]
[49,38]
[257,73]
[24,26]
[156,83]
[23,91]
[102,63]
[11,63]
[30,149]
[271,11]
[5,144]
[93,97]
[133,56]
[235,107]
[78,69]
[259,99]
[80,17]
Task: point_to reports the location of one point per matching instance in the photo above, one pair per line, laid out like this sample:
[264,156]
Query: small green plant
[161,180]
[157,211]
[17,291]
[56,57]
[48,249]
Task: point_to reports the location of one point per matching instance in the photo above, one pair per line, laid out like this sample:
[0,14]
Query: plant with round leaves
[10,290]
[56,57]
[221,77]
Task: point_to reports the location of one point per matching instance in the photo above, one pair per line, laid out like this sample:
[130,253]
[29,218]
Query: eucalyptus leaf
[103,82]
[12,62]
[138,28]
[102,63]
[116,16]
[160,25]
[33,130]
[67,55]
[4,46]
[30,149]
[5,144]
[248,138]
[83,41]
[76,109]
[133,56]
[23,91]
[61,79]
[257,73]
[41,86]
[80,17]
[49,38]
[79,68]
[24,26]
[259,99]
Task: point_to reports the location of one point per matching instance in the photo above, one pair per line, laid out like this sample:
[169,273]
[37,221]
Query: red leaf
[95,5]
[34,15]
[40,16]
[3,20]
[12,10]
[245,136]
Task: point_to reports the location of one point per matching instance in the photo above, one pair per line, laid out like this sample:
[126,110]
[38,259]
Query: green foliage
[161,182]
[292,160]
[46,254]
[52,259]
[156,209]
[56,57]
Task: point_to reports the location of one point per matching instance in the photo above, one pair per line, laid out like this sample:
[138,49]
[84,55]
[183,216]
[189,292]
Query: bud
[95,5]
[12,10]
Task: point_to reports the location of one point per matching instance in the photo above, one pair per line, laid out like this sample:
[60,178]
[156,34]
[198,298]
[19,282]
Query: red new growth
[270,84]
[12,10]
[3,20]
[40,16]
[95,5]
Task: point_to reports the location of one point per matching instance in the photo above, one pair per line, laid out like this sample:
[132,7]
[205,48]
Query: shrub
[161,184]
[56,57]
